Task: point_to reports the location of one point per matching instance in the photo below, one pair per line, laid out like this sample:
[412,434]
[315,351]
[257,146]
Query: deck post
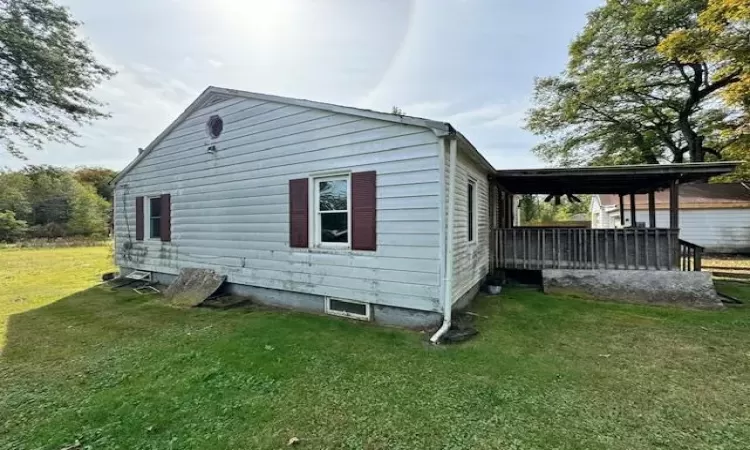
[656,245]
[503,213]
[651,209]
[674,222]
[492,214]
[622,211]
[674,205]
[606,250]
[538,249]
[637,253]
[670,253]
[632,210]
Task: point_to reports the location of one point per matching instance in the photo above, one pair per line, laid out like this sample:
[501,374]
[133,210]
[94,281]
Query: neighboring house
[714,216]
[310,206]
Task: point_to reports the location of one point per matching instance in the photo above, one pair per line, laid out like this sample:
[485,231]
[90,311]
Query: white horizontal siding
[230,210]
[470,259]
[719,230]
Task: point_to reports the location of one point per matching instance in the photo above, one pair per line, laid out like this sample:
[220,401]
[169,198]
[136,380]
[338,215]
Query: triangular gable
[213,95]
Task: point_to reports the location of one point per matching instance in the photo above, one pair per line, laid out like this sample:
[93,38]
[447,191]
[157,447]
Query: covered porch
[627,248]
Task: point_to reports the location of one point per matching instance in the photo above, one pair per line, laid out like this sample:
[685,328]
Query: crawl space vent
[347,308]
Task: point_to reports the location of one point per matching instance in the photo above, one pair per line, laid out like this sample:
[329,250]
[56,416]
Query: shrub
[89,213]
[11,229]
[50,230]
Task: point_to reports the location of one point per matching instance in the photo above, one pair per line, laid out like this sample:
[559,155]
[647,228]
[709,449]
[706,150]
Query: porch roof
[633,179]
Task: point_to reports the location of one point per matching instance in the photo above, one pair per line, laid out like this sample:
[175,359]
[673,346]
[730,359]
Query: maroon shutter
[364,235]
[298,215]
[166,218]
[139,218]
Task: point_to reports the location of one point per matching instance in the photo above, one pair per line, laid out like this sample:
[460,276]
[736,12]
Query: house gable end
[218,98]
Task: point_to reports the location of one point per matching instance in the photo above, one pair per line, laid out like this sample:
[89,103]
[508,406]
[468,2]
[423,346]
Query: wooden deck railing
[574,248]
[691,256]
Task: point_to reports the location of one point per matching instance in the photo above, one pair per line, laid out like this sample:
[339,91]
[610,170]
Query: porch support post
[632,211]
[651,209]
[674,205]
[493,203]
[511,212]
[622,211]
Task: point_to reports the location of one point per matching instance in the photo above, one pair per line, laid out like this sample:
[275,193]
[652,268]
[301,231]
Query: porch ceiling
[635,179]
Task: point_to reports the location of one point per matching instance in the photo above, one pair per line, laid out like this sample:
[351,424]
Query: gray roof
[214,94]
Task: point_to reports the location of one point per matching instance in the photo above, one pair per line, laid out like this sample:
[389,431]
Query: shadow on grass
[112,369]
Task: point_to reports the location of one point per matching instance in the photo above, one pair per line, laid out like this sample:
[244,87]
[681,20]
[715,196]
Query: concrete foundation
[465,300]
[691,289]
[380,314]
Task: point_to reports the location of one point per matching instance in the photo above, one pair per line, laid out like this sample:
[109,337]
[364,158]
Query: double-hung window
[332,203]
[154,217]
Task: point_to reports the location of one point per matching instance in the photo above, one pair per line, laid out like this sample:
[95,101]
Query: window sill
[334,251]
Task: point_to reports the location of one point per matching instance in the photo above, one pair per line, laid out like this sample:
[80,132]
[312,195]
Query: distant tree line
[51,202]
[534,210]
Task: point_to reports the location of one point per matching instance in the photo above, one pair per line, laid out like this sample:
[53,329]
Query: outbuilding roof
[693,196]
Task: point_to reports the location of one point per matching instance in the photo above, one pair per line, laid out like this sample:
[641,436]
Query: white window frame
[474,223]
[334,312]
[147,217]
[316,213]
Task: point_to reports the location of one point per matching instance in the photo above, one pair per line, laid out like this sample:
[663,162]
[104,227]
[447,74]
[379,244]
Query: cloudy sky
[469,62]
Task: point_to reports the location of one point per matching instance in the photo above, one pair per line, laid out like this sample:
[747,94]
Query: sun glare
[259,18]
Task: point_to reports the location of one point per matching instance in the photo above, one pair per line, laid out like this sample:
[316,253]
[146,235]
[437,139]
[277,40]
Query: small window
[470,209]
[215,126]
[154,217]
[347,308]
[332,218]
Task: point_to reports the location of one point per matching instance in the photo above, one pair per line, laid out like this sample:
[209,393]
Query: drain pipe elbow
[448,272]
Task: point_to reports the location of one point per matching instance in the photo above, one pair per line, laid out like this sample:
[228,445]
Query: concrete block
[690,289]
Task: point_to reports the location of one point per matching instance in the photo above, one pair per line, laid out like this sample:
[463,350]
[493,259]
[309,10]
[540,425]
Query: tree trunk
[694,141]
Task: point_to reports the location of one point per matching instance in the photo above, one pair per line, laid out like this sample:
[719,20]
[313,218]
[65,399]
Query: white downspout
[448,273]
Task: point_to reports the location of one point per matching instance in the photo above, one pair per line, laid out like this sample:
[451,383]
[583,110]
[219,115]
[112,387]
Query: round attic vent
[215,126]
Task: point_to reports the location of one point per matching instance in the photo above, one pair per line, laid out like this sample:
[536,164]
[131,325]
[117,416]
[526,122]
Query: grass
[736,289]
[30,278]
[117,370]
[727,264]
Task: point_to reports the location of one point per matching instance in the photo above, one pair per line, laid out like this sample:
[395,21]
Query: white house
[311,206]
[714,216]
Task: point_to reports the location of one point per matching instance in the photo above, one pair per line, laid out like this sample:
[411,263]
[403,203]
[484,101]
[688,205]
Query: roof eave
[439,128]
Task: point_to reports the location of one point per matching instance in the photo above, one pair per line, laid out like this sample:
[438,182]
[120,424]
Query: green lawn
[118,370]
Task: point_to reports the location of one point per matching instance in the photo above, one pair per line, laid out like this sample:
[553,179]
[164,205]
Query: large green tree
[628,97]
[722,38]
[99,178]
[47,72]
